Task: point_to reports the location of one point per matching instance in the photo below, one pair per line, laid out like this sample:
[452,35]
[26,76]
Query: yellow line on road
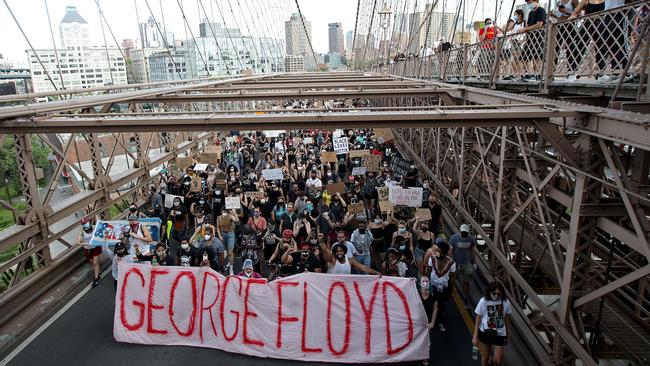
[463,312]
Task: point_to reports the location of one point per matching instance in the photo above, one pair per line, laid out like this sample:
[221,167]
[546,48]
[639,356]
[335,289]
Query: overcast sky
[122,19]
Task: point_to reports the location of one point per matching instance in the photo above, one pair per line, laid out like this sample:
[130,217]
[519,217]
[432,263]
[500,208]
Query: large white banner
[307,317]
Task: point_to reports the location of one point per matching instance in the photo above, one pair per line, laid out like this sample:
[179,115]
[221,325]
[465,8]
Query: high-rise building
[141,65]
[168,65]
[349,40]
[79,65]
[150,35]
[440,25]
[335,31]
[296,38]
[294,63]
[211,30]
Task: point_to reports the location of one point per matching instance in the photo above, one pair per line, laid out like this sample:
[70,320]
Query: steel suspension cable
[241,67]
[205,64]
[164,38]
[248,53]
[302,20]
[354,36]
[214,35]
[265,48]
[101,13]
[108,56]
[56,52]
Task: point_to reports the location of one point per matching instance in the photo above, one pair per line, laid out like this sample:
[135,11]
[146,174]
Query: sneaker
[227,270]
[571,78]
[442,327]
[95,282]
[605,79]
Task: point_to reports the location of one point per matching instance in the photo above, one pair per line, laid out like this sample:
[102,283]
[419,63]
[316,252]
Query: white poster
[308,140]
[341,145]
[274,133]
[279,146]
[272,174]
[233,203]
[200,167]
[359,170]
[411,197]
[308,317]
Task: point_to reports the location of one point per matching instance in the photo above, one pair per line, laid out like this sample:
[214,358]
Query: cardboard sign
[359,153]
[233,203]
[328,157]
[272,174]
[308,140]
[424,214]
[200,167]
[254,194]
[371,162]
[195,185]
[212,149]
[337,133]
[382,192]
[359,170]
[199,307]
[411,197]
[334,188]
[211,158]
[384,134]
[169,200]
[355,208]
[183,163]
[341,145]
[385,206]
[399,165]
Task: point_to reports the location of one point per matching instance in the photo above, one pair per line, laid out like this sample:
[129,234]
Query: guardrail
[613,42]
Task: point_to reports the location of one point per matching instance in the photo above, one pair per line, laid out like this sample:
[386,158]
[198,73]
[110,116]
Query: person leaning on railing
[533,49]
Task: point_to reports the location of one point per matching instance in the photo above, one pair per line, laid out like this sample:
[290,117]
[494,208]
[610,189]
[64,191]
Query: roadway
[83,335]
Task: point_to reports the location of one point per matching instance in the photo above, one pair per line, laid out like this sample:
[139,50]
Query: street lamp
[384,22]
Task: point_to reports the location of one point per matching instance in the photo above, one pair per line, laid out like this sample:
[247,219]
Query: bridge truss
[558,192]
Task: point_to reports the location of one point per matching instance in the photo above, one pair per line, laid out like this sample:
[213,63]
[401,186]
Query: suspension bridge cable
[108,56]
[241,67]
[280,47]
[354,36]
[101,13]
[246,49]
[302,20]
[214,35]
[262,40]
[205,64]
[164,38]
[56,52]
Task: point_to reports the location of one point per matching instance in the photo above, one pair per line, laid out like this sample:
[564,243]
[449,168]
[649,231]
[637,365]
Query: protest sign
[384,134]
[334,188]
[183,163]
[211,158]
[254,194]
[368,319]
[424,214]
[233,203]
[341,145]
[200,167]
[109,231]
[195,184]
[279,146]
[359,153]
[274,133]
[359,170]
[212,149]
[355,208]
[382,192]
[308,140]
[399,165]
[328,157]
[371,162]
[385,206]
[169,199]
[411,197]
[231,140]
[272,174]
[337,133]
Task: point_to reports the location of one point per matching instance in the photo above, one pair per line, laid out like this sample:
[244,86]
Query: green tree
[9,165]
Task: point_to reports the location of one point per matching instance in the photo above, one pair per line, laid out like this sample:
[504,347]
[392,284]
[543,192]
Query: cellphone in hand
[205,256]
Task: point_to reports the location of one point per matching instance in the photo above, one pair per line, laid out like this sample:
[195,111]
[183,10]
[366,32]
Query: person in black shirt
[430,305]
[302,258]
[162,256]
[533,49]
[187,255]
[436,213]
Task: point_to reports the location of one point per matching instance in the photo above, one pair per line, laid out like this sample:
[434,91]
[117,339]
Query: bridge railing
[598,44]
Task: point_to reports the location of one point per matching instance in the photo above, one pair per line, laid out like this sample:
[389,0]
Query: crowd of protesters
[303,220]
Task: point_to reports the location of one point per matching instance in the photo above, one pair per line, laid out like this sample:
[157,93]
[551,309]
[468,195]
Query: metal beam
[612,286]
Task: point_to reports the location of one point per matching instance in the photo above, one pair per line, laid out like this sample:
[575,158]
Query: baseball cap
[464,227]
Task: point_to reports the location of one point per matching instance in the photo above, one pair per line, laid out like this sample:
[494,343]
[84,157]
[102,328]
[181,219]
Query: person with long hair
[492,328]
[430,306]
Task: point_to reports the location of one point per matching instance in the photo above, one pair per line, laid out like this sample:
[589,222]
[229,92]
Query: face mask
[304,253]
[257,214]
[530,5]
[425,229]
[424,284]
[377,221]
[121,254]
[207,237]
[87,227]
[402,230]
[263,202]
[161,254]
[176,203]
[248,274]
[309,207]
[362,231]
[426,185]
[201,202]
[132,209]
[464,234]
[494,297]
[402,247]
[340,256]
[185,246]
[224,214]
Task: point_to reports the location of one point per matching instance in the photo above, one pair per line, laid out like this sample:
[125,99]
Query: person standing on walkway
[462,246]
[91,253]
[430,306]
[491,331]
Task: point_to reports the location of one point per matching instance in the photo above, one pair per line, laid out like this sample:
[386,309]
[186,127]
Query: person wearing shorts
[491,330]
[226,233]
[462,246]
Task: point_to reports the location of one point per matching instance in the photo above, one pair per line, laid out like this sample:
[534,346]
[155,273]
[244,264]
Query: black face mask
[121,254]
[464,234]
[425,229]
[362,231]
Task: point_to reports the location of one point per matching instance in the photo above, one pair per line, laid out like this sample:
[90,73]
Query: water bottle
[475,353]
[154,261]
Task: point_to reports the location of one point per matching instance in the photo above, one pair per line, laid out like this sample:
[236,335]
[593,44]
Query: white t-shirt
[440,281]
[316,182]
[493,314]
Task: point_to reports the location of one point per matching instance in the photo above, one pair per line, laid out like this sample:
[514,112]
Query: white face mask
[176,204]
[494,297]
[207,237]
[248,274]
[185,246]
[224,214]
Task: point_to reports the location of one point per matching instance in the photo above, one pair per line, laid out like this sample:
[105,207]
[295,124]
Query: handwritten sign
[341,145]
[279,146]
[371,162]
[195,184]
[169,200]
[411,197]
[233,203]
[183,163]
[359,153]
[424,214]
[274,133]
[196,306]
[308,140]
[328,157]
[359,170]
[385,206]
[254,194]
[355,208]
[272,174]
[382,192]
[212,149]
[384,135]
[231,140]
[200,167]
[399,165]
[334,188]
[337,133]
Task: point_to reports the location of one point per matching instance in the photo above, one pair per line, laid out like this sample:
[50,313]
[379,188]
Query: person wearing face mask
[442,270]
[139,238]
[379,247]
[257,223]
[300,202]
[338,261]
[178,217]
[203,205]
[187,255]
[362,240]
[430,306]
[462,246]
[248,271]
[436,213]
[424,242]
[211,251]
[314,184]
[91,253]
[407,238]
[117,255]
[392,265]
[492,327]
[161,256]
[302,258]
[226,233]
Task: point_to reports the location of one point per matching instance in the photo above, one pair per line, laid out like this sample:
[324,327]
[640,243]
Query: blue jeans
[228,240]
[363,259]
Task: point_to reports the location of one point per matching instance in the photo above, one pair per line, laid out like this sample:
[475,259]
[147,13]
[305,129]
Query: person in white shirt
[337,260]
[442,270]
[314,185]
[492,324]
